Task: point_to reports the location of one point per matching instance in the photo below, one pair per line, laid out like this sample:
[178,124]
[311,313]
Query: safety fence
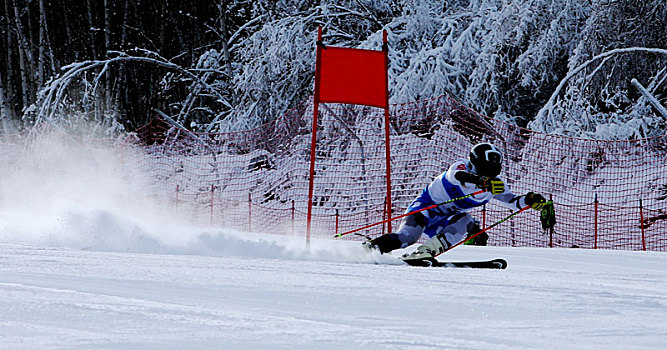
[607,194]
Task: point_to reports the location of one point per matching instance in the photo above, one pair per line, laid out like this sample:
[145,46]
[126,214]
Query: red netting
[258,179]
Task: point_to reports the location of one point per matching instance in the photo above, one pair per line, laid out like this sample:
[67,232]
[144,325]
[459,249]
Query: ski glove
[495,185]
[535,200]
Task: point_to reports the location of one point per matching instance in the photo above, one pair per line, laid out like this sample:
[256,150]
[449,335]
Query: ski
[432,262]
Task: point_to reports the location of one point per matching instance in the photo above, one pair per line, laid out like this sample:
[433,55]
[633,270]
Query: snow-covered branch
[543,122]
[53,94]
[654,101]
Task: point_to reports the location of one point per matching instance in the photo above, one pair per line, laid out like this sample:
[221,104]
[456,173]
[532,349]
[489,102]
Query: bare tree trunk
[23,52]
[163,27]
[47,40]
[107,47]
[92,31]
[42,43]
[3,100]
[126,20]
[67,29]
[162,36]
[8,89]
[123,44]
[107,26]
[92,36]
[5,115]
[29,47]
[225,47]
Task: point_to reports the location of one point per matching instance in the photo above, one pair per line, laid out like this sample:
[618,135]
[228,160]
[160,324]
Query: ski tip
[500,263]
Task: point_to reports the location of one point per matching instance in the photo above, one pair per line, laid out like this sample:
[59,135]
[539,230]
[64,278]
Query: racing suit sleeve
[459,174]
[511,200]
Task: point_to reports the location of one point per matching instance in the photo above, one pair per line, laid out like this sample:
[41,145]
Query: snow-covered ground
[328,296]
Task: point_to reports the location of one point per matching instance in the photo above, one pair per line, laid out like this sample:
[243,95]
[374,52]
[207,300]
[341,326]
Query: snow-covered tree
[249,62]
[277,62]
[599,101]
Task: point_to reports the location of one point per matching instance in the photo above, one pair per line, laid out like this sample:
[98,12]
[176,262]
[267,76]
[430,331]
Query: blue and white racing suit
[452,219]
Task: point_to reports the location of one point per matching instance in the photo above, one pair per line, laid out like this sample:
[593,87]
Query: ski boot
[434,246]
[384,244]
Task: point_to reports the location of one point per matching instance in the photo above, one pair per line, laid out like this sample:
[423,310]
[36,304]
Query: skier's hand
[495,185]
[535,200]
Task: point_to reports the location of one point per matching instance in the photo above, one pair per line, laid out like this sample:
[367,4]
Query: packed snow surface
[261,293]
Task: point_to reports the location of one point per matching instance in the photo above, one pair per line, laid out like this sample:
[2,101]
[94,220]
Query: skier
[450,223]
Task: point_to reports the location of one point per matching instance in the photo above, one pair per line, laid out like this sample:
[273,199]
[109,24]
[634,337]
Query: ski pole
[486,229]
[410,213]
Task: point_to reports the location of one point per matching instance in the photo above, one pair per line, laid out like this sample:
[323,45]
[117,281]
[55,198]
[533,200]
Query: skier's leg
[473,229]
[457,228]
[452,230]
[408,233]
[410,229]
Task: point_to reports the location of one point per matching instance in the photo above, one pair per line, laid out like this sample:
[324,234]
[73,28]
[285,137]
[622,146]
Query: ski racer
[451,223]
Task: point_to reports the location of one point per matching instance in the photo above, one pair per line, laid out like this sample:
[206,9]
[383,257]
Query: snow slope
[57,298]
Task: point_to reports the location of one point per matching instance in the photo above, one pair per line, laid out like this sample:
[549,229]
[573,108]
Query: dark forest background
[224,65]
[41,36]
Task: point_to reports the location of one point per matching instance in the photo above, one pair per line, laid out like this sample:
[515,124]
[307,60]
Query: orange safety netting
[257,180]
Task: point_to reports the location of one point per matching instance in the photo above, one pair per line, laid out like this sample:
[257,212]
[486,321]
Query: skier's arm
[512,201]
[493,185]
[497,187]
[466,177]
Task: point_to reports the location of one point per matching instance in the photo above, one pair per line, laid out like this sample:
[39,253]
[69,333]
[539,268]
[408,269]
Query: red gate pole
[313,142]
[641,218]
[385,48]
[595,246]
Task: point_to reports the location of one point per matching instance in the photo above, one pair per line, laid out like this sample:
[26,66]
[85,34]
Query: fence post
[249,211]
[484,217]
[212,191]
[595,236]
[384,212]
[293,216]
[176,204]
[512,231]
[641,220]
[551,230]
[337,220]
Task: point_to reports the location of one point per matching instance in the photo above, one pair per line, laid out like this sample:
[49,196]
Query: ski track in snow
[63,298]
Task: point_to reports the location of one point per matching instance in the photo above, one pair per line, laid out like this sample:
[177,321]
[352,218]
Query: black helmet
[486,159]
